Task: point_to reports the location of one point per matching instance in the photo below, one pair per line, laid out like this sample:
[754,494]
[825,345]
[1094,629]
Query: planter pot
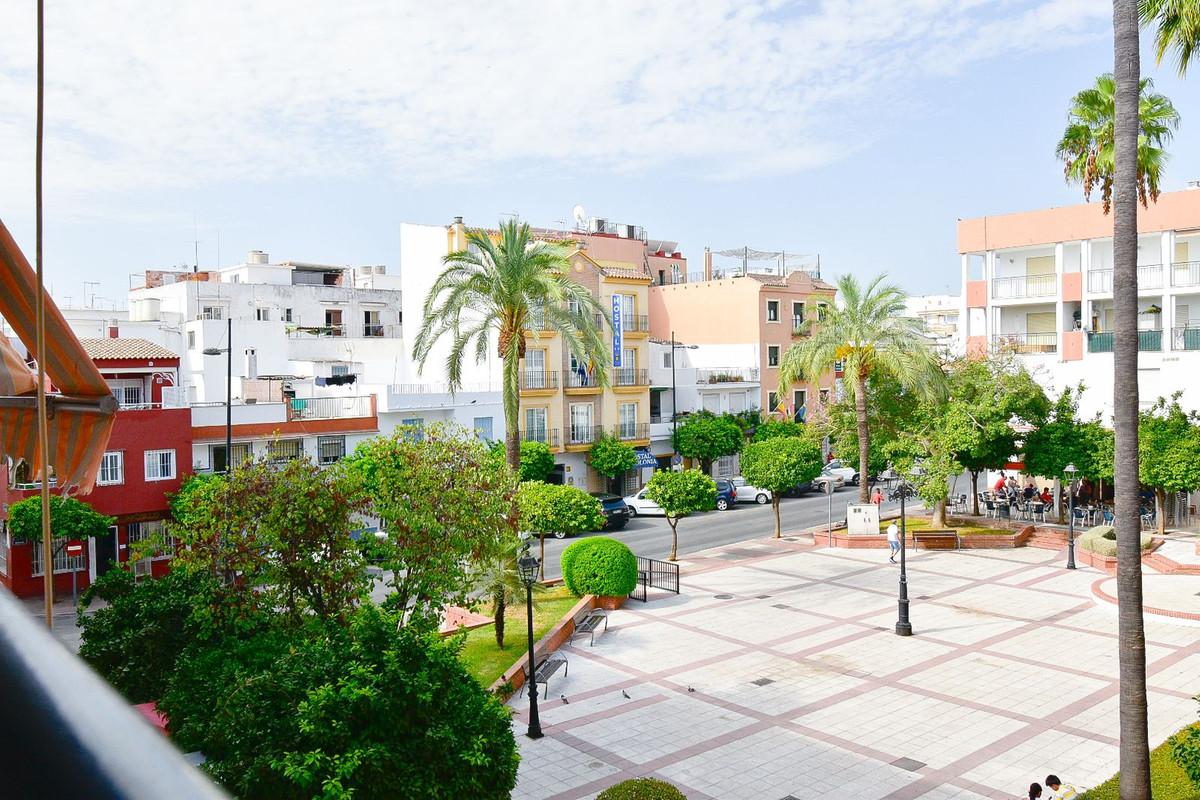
[609,602]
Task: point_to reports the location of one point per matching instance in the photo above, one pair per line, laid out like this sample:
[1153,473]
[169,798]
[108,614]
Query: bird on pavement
[563,697]
[625,694]
[691,689]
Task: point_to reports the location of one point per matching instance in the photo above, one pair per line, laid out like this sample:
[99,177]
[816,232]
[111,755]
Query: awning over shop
[80,414]
[645,459]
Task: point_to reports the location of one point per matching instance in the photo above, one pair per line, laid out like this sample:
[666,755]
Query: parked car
[615,512]
[727,494]
[800,489]
[750,494]
[838,479]
[639,505]
[836,467]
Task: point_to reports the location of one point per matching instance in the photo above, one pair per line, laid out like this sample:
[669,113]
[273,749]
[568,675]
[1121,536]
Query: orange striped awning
[80,414]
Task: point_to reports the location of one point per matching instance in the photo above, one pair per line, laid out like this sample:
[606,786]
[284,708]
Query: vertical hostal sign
[616,326]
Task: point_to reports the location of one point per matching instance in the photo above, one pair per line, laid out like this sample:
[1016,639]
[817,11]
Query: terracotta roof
[622,269]
[779,280]
[109,349]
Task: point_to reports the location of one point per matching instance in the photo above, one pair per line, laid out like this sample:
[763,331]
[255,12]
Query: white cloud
[147,96]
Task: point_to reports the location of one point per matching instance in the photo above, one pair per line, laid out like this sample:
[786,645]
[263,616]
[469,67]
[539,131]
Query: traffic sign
[74,548]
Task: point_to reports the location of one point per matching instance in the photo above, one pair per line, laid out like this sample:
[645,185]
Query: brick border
[1158,612]
[513,678]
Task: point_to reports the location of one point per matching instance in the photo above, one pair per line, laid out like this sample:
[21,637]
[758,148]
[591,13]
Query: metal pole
[535,725]
[1071,523]
[43,462]
[228,394]
[903,626]
[829,497]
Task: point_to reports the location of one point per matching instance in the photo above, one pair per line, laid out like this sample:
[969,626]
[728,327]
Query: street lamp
[1071,470]
[527,569]
[228,351]
[903,487]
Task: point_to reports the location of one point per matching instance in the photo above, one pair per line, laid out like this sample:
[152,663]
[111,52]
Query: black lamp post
[1071,470]
[527,568]
[903,487]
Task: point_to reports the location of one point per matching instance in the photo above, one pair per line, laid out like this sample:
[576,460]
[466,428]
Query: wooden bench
[936,540]
[588,623]
[547,667]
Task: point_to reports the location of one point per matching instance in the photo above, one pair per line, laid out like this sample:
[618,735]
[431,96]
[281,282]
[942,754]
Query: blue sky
[859,129]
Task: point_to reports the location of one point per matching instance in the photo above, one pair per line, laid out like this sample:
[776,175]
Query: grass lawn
[965,529]
[485,661]
[1168,781]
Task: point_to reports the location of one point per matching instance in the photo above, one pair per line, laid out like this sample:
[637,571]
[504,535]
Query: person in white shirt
[1060,790]
[893,537]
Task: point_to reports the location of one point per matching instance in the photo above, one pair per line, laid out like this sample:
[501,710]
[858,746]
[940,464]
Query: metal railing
[583,434]
[329,407]
[1102,341]
[1026,342]
[636,430]
[1018,286]
[547,436]
[630,376]
[729,375]
[535,379]
[440,387]
[1149,276]
[315,331]
[1185,338]
[1185,273]
[580,379]
[381,331]
[799,328]
[635,322]
[656,574]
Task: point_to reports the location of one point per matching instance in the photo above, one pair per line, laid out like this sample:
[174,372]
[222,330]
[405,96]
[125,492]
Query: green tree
[1087,147]
[869,333]
[496,578]
[1169,452]
[1178,24]
[680,494]
[507,285]
[1061,440]
[549,509]
[442,501]
[772,428]
[778,464]
[537,462]
[890,408]
[611,457]
[707,437]
[69,519]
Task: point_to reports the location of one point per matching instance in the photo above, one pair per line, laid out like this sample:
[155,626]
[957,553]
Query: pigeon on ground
[625,694]
[563,697]
[691,689]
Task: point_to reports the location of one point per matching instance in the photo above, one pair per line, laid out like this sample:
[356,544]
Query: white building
[939,313]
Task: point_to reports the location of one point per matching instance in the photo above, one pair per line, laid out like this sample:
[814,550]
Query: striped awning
[80,413]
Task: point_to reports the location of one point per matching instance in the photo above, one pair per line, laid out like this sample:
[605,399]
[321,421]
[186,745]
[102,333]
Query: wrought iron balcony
[1026,342]
[533,380]
[630,376]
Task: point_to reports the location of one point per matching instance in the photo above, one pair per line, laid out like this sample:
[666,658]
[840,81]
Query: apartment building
[1040,284]
[939,313]
[759,314]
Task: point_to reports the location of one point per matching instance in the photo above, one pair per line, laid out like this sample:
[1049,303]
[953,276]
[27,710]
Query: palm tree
[497,579]
[1178,28]
[508,284]
[869,331]
[1130,140]
[1087,145]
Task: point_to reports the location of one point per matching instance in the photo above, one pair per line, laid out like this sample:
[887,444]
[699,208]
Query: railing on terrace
[1185,338]
[581,379]
[729,375]
[799,327]
[440,387]
[1102,341]
[583,434]
[151,406]
[329,407]
[535,379]
[1019,286]
[380,331]
[629,431]
[1149,276]
[630,376]
[547,436]
[315,331]
[635,322]
[1026,342]
[1185,273]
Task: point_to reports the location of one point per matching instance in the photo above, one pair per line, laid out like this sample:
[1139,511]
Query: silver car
[750,494]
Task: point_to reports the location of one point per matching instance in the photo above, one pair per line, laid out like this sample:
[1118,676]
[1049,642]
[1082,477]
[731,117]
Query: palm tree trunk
[672,521]
[498,618]
[1135,748]
[512,415]
[775,505]
[864,436]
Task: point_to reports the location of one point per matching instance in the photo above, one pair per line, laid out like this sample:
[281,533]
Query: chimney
[707,264]
[251,363]
[458,238]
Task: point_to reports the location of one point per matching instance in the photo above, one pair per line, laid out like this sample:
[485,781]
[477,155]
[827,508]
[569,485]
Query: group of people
[1057,790]
[1007,486]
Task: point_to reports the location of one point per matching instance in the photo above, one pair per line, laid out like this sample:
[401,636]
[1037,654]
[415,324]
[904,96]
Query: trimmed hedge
[1102,540]
[599,565]
[641,789]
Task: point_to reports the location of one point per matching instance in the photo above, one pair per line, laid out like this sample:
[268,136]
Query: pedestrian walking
[1000,483]
[877,496]
[1035,791]
[893,537]
[1060,790]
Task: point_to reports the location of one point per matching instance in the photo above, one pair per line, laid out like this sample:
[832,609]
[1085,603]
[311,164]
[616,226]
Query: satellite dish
[580,216]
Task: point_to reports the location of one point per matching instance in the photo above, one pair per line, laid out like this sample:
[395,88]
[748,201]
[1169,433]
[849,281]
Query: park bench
[936,540]
[547,667]
[588,623]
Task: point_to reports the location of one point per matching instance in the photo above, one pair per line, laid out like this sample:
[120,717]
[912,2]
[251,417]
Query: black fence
[656,574]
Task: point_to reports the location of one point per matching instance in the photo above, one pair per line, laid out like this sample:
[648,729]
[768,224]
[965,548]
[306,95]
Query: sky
[857,129]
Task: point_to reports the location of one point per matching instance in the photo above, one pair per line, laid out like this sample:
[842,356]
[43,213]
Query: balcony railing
[547,436]
[635,322]
[1149,276]
[1185,338]
[730,375]
[1018,286]
[583,434]
[630,431]
[799,328]
[1026,342]
[315,331]
[536,379]
[630,376]
[1185,273]
[1102,341]
[381,331]
[581,379]
[329,407]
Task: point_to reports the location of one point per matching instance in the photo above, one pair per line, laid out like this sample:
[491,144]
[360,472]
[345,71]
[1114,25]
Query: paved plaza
[775,673]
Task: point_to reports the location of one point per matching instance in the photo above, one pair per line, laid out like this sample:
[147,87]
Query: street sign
[616,326]
[74,548]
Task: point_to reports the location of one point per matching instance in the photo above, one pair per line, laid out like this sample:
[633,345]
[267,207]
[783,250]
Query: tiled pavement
[797,686]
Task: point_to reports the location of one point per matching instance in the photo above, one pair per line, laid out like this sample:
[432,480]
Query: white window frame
[62,562]
[541,428]
[157,456]
[491,427]
[212,312]
[628,427]
[339,370]
[591,422]
[112,459]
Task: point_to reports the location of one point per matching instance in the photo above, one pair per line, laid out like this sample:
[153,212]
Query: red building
[148,456]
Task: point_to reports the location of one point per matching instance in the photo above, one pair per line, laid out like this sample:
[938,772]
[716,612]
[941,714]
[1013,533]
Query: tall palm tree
[497,579]
[1087,145]
[1129,140]
[1178,28]
[869,331]
[508,284]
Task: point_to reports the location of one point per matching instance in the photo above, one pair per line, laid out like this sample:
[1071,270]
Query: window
[483,428]
[416,426]
[212,312]
[822,311]
[191,340]
[581,423]
[280,450]
[330,449]
[537,316]
[339,370]
[62,562]
[628,416]
[824,395]
[727,466]
[236,279]
[372,326]
[287,315]
[3,549]
[628,320]
[772,311]
[535,425]
[667,359]
[535,369]
[127,392]
[160,465]
[797,312]
[773,355]
[800,398]
[333,322]
[772,401]
[112,468]
[262,314]
[154,532]
[241,452]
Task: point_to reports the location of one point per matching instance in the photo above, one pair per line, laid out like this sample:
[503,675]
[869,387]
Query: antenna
[195,243]
[580,216]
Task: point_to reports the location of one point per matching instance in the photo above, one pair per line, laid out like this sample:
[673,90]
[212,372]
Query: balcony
[627,432]
[799,327]
[547,436]
[1021,286]
[635,323]
[630,376]
[1102,342]
[583,434]
[379,331]
[1185,273]
[1185,338]
[307,408]
[728,375]
[538,380]
[1026,343]
[582,379]
[1149,276]
[315,331]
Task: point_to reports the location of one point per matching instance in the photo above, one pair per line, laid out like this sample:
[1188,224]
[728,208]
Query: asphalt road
[651,536]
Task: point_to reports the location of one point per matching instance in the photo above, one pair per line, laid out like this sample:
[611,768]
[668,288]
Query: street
[651,536]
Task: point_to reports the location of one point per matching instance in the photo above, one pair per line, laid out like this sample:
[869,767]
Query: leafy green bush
[1185,749]
[548,508]
[1102,540]
[69,517]
[775,428]
[537,462]
[641,789]
[610,456]
[601,566]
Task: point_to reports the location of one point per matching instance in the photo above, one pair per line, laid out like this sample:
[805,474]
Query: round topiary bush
[641,789]
[601,566]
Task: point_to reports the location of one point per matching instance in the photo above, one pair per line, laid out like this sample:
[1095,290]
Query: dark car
[800,489]
[615,512]
[726,494]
